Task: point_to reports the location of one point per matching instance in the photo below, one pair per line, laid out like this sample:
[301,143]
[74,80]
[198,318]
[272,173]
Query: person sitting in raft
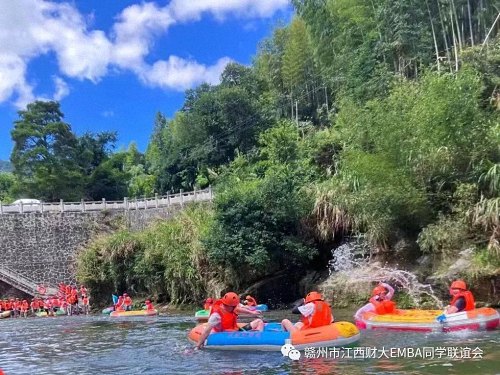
[315,313]
[149,305]
[127,302]
[380,302]
[462,300]
[250,301]
[119,304]
[224,318]
[208,303]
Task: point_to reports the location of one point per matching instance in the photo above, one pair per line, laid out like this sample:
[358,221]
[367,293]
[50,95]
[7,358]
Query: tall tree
[44,154]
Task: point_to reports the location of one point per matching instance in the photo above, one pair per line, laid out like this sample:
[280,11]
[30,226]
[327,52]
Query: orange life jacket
[384,306]
[469,300]
[127,301]
[8,305]
[322,316]
[229,320]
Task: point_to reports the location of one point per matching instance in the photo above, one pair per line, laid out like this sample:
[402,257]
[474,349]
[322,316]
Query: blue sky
[112,64]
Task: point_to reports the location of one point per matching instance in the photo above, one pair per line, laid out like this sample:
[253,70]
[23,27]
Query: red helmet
[313,296]
[125,294]
[230,299]
[148,301]
[209,300]
[458,284]
[378,289]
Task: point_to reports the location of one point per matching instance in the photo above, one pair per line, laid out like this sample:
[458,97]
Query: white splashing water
[352,260]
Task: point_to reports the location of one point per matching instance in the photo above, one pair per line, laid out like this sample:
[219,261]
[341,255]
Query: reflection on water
[158,345]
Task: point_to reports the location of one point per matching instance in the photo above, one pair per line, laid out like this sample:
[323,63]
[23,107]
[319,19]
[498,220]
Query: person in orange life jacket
[209,302]
[149,305]
[127,302]
[224,316]
[462,300]
[83,291]
[85,305]
[250,301]
[24,308]
[17,308]
[314,313]
[119,304]
[380,302]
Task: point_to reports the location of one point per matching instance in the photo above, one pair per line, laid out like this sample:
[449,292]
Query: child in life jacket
[380,302]
[462,300]
[224,317]
[314,313]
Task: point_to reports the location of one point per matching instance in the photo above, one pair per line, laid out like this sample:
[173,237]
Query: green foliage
[44,154]
[7,182]
[5,166]
[167,258]
[369,195]
[445,238]
[215,124]
[256,228]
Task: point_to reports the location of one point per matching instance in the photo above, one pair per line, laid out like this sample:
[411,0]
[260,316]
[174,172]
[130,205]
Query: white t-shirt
[307,310]
[214,320]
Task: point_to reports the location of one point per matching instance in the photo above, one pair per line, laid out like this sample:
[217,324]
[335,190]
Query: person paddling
[224,318]
[380,302]
[462,300]
[314,313]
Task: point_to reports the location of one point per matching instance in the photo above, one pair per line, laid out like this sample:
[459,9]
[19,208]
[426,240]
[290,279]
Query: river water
[158,345]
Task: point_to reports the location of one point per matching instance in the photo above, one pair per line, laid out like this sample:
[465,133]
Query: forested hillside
[375,119]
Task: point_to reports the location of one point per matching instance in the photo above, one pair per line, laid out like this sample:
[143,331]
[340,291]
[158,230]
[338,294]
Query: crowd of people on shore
[68,301]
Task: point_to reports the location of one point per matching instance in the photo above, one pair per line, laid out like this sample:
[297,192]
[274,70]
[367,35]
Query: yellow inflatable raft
[425,320]
[134,313]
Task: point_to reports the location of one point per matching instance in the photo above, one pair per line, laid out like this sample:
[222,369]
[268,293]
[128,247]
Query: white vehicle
[27,202]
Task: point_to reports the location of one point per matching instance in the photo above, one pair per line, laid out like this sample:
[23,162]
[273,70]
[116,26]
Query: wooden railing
[126,204]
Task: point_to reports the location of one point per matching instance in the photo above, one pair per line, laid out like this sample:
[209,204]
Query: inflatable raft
[5,314]
[202,315]
[108,310]
[134,313]
[273,337]
[425,320]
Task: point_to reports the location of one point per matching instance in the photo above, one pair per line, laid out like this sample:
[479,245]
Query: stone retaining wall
[43,246]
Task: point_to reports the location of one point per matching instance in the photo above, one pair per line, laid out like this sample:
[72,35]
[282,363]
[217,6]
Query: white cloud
[31,28]
[134,32]
[182,74]
[62,88]
[183,10]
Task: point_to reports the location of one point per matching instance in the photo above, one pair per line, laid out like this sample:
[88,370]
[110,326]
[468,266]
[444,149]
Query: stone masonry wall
[43,246]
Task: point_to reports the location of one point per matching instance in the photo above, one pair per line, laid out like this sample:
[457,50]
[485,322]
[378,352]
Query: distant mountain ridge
[5,166]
